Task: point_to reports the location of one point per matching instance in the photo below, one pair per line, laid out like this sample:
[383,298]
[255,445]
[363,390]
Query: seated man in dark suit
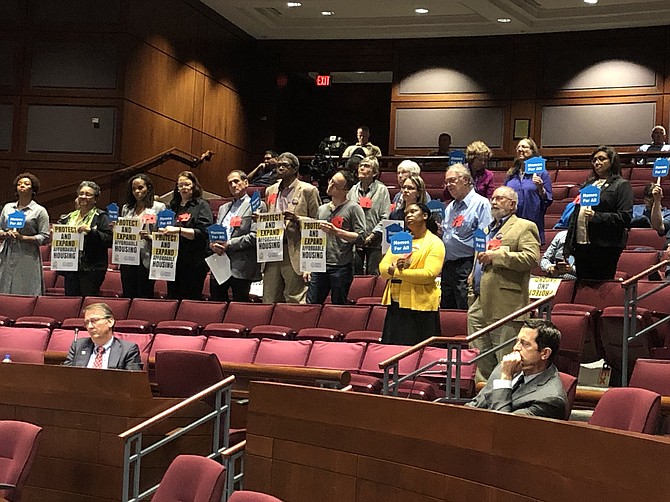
[102,350]
[526,382]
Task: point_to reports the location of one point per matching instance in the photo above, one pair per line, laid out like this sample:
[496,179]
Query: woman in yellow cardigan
[412,296]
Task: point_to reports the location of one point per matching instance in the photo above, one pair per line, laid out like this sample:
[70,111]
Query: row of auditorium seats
[361,358]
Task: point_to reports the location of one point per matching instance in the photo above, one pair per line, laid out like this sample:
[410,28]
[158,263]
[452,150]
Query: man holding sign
[597,231]
[500,277]
[344,224]
[240,247]
[282,280]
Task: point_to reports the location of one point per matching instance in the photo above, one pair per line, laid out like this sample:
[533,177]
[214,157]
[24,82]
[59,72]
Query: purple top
[483,183]
[531,206]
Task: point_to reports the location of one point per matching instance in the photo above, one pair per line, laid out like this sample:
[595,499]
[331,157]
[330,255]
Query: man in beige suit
[500,277]
[282,280]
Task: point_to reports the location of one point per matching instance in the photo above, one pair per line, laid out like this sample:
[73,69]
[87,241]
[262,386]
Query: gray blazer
[122,355]
[543,396]
[242,242]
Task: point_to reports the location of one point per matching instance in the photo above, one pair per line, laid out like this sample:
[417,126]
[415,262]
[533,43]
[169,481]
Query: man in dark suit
[102,350]
[526,382]
[237,218]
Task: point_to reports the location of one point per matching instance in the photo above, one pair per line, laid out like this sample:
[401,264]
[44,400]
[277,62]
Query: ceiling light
[293,4]
[591,2]
[421,10]
[327,13]
[504,20]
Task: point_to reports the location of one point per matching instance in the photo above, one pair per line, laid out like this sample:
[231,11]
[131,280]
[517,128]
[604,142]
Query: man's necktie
[517,384]
[97,363]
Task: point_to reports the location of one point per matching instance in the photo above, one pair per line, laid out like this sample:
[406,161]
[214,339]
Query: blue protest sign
[255,201]
[534,165]
[16,220]
[401,243]
[661,167]
[217,232]
[437,208]
[456,157]
[589,196]
[113,211]
[391,230]
[480,240]
[165,218]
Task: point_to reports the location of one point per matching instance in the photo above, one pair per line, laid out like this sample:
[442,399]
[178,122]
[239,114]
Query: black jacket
[609,226]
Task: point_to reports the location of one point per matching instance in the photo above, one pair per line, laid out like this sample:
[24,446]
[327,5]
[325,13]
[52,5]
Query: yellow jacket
[418,290]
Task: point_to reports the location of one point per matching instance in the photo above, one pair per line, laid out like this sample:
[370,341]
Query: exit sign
[323,80]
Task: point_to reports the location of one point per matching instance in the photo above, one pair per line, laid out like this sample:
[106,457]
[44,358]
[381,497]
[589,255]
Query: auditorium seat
[432,354]
[562,191]
[191,478]
[550,221]
[61,339]
[176,342]
[611,332]
[58,288]
[336,321]
[250,496]
[233,350]
[110,265]
[45,254]
[659,305]
[572,176]
[287,319]
[14,306]
[454,324]
[379,287]
[389,178]
[160,289]
[240,318]
[145,313]
[19,442]
[26,356]
[50,311]
[361,286]
[49,277]
[600,294]
[558,206]
[366,336]
[339,356]
[645,237]
[376,319]
[629,409]
[653,375]
[23,338]
[564,293]
[192,316]
[111,286]
[634,262]
[119,306]
[570,386]
[592,349]
[283,352]
[574,330]
[369,300]
[369,378]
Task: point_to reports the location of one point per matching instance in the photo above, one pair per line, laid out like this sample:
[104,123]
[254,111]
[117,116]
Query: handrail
[179,406]
[132,439]
[174,153]
[631,298]
[390,366]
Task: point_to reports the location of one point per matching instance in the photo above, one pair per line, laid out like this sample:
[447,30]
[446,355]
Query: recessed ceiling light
[327,13]
[504,20]
[421,10]
[293,4]
[591,2]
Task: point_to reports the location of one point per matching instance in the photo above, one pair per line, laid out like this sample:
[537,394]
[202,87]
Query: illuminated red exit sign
[323,80]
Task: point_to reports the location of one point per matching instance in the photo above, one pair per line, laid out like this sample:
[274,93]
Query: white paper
[164,253]
[270,237]
[126,243]
[65,248]
[220,267]
[312,247]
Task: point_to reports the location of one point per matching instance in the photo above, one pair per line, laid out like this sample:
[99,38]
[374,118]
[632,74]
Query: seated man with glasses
[102,350]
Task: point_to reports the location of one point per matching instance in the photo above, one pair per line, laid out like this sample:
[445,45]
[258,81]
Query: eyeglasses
[500,197]
[94,320]
[284,164]
[86,195]
[452,181]
[602,159]
[185,185]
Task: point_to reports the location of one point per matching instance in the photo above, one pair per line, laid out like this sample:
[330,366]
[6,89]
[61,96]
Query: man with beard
[500,276]
[526,382]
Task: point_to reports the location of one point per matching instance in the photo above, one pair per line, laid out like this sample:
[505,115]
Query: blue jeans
[336,280]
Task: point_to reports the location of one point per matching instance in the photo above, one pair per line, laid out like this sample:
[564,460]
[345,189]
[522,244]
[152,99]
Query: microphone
[76,335]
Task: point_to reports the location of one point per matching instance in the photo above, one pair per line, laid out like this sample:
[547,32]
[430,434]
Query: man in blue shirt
[651,214]
[465,214]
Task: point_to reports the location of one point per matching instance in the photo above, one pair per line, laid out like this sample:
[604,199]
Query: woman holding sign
[534,190]
[24,227]
[140,204]
[192,217]
[597,234]
[412,296]
[94,225]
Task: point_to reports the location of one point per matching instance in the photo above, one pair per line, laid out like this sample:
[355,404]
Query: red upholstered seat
[23,338]
[145,313]
[338,356]
[61,339]
[233,350]
[366,336]
[240,318]
[628,409]
[18,445]
[287,319]
[14,306]
[176,342]
[376,318]
[191,478]
[249,496]
[283,352]
[574,328]
[50,311]
[192,317]
[336,321]
[570,386]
